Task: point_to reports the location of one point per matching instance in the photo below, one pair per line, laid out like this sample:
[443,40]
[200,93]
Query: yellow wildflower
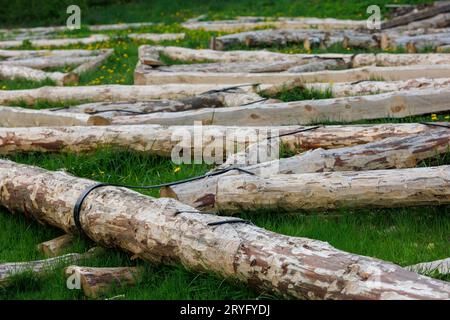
[177,169]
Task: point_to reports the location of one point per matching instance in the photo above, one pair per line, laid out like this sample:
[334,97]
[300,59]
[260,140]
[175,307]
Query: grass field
[404,236]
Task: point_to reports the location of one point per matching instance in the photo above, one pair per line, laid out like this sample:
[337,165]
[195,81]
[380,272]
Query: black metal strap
[79,203]
[435,125]
[229,221]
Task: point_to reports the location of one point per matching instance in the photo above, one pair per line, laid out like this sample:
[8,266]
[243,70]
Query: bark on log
[38,267]
[161,141]
[157,37]
[13,72]
[21,117]
[415,16]
[55,247]
[395,105]
[359,89]
[323,191]
[164,230]
[96,282]
[108,93]
[56,42]
[439,266]
[145,75]
[389,153]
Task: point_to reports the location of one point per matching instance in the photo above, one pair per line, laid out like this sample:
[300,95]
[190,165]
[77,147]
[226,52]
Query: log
[387,105]
[362,41]
[395,60]
[279,23]
[145,75]
[157,37]
[439,266]
[166,231]
[323,191]
[55,247]
[29,54]
[161,141]
[47,62]
[445,48]
[94,62]
[56,42]
[415,16]
[21,117]
[104,93]
[12,269]
[438,21]
[415,43]
[402,152]
[12,72]
[360,88]
[96,282]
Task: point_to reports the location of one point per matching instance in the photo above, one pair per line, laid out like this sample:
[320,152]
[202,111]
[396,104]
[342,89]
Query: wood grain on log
[56,246]
[395,105]
[333,190]
[21,117]
[166,231]
[97,282]
[160,140]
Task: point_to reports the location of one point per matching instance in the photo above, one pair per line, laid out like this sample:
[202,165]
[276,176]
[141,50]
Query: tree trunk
[145,75]
[166,231]
[339,90]
[323,191]
[94,62]
[394,105]
[56,42]
[108,93]
[12,72]
[21,117]
[389,153]
[157,37]
[97,282]
[439,266]
[55,247]
[161,141]
[415,16]
[9,270]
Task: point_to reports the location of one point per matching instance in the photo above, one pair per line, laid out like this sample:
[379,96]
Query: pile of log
[32,64]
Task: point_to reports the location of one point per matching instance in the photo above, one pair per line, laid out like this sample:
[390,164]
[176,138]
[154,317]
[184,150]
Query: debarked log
[56,246]
[12,269]
[145,75]
[156,37]
[395,105]
[322,191]
[359,88]
[22,117]
[167,231]
[402,152]
[13,72]
[161,141]
[97,282]
[56,42]
[109,93]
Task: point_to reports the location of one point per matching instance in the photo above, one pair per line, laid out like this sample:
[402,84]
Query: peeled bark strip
[9,270]
[161,141]
[13,72]
[94,62]
[361,88]
[21,117]
[156,37]
[55,247]
[145,75]
[415,16]
[389,153]
[395,105]
[322,191]
[97,282]
[164,230]
[109,93]
[439,266]
[56,42]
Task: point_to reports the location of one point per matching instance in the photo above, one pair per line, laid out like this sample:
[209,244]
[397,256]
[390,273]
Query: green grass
[404,236]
